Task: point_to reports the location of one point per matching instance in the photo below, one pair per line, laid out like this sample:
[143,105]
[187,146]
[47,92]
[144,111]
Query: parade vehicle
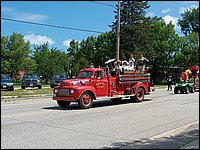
[97,83]
[184,86]
[189,81]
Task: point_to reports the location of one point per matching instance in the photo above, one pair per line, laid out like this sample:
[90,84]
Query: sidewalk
[187,139]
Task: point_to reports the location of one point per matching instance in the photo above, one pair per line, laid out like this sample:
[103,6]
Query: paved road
[39,123]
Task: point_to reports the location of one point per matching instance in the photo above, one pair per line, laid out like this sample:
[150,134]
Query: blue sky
[75,14]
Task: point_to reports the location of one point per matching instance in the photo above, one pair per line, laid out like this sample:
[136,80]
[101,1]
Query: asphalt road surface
[39,123]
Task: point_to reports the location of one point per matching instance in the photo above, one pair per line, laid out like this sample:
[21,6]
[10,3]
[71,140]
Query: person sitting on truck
[131,58]
[91,65]
[118,67]
[131,66]
[124,65]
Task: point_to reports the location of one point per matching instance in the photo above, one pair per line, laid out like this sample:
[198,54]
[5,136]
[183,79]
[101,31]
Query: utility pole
[118,32]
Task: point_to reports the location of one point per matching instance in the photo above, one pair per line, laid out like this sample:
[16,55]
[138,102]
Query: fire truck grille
[63,92]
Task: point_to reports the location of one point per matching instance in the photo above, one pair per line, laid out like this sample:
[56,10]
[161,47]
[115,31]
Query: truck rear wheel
[63,104]
[139,97]
[85,100]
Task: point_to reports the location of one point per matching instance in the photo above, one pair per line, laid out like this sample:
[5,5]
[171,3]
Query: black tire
[176,90]
[40,87]
[182,91]
[85,100]
[192,89]
[63,104]
[187,90]
[139,97]
[22,87]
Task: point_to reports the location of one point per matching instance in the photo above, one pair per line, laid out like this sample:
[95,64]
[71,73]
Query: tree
[188,53]
[135,35]
[49,61]
[190,21]
[14,52]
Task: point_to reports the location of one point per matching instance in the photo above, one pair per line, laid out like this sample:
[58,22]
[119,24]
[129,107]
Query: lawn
[27,92]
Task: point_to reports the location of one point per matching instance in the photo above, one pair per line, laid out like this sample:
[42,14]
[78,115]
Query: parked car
[31,80]
[7,82]
[57,79]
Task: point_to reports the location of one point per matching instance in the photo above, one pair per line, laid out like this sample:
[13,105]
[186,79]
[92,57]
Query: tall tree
[190,21]
[14,52]
[135,35]
[188,53]
[49,61]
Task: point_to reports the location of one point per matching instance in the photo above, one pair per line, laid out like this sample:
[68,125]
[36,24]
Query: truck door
[101,83]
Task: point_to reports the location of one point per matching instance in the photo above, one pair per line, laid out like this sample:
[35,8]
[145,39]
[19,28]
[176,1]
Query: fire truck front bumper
[63,98]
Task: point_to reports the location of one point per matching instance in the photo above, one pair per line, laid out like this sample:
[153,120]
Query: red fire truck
[96,83]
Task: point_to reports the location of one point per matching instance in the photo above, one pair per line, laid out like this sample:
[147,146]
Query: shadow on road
[175,142]
[96,104]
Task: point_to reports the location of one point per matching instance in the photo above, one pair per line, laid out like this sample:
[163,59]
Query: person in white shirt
[131,67]
[124,65]
[131,58]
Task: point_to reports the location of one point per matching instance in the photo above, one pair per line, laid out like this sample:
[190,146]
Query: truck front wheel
[139,97]
[85,100]
[63,104]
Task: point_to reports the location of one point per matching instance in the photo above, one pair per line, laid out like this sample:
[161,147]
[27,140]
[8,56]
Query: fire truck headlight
[56,91]
[72,91]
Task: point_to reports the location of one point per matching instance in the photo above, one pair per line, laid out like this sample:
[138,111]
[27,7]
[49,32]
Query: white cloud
[7,9]
[183,9]
[150,14]
[67,43]
[31,17]
[172,19]
[164,11]
[38,39]
[25,16]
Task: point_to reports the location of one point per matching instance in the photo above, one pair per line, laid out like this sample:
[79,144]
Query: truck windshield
[85,74]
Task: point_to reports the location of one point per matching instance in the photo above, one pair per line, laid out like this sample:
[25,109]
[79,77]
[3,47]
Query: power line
[103,4]
[49,25]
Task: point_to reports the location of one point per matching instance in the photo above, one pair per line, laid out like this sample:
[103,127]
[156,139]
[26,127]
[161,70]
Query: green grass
[27,92]
[160,86]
